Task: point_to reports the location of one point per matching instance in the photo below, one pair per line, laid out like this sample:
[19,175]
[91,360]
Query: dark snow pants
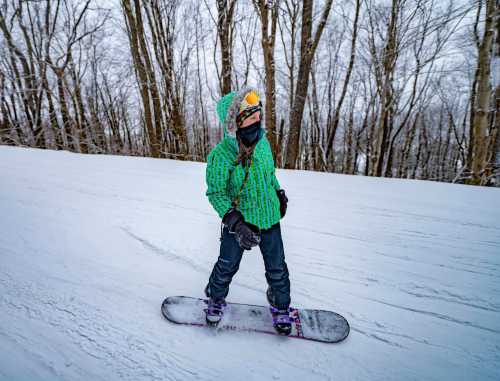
[271,247]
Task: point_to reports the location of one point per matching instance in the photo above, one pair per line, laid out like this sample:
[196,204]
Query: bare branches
[397,88]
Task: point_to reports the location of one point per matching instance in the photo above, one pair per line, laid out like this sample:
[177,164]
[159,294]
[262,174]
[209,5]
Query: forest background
[393,88]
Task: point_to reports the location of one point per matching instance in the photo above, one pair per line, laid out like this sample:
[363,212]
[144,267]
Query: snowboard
[308,324]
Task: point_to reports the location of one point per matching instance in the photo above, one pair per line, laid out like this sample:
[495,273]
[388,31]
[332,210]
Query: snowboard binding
[214,311]
[282,321]
[215,308]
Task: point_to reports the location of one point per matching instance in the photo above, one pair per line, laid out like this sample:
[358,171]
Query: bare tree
[398,88]
[144,72]
[482,103]
[225,27]
[495,146]
[268,14]
[332,128]
[308,45]
[288,25]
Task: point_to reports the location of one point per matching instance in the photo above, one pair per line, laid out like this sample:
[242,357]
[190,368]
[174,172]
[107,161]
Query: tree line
[392,88]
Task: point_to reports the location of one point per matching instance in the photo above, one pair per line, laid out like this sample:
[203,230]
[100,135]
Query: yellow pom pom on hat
[249,105]
[251,100]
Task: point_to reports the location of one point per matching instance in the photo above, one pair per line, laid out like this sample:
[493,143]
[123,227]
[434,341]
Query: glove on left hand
[283,201]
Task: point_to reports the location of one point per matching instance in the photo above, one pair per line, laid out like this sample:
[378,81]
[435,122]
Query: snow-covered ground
[91,245]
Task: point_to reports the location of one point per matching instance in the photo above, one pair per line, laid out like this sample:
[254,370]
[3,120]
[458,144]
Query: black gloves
[245,236]
[283,201]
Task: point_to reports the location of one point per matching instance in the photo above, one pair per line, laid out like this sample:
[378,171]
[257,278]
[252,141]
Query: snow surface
[91,245]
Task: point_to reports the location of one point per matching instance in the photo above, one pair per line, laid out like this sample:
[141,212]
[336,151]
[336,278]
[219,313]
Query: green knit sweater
[258,203]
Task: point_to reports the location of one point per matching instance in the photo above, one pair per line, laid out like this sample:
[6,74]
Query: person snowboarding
[243,189]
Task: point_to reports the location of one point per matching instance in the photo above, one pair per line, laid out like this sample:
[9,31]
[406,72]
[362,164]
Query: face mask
[249,134]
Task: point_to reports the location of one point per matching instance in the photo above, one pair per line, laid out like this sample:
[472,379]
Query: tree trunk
[142,76]
[268,17]
[225,9]
[332,129]
[307,50]
[386,94]
[482,106]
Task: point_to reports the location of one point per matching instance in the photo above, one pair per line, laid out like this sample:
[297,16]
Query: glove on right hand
[236,224]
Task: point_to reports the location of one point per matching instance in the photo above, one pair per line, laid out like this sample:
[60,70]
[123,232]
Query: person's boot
[215,311]
[281,316]
[215,308]
[281,320]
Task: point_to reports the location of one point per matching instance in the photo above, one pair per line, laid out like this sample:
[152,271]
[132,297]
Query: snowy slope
[91,245]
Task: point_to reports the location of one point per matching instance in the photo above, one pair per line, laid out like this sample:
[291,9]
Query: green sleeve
[217,176]
[274,180]
[269,156]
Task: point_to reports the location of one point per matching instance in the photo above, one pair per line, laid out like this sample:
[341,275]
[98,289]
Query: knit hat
[243,103]
[249,105]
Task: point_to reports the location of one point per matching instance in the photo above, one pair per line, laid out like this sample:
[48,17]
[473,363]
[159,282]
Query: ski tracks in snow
[122,350]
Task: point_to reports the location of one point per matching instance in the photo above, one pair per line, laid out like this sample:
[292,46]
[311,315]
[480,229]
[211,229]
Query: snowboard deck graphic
[308,324]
